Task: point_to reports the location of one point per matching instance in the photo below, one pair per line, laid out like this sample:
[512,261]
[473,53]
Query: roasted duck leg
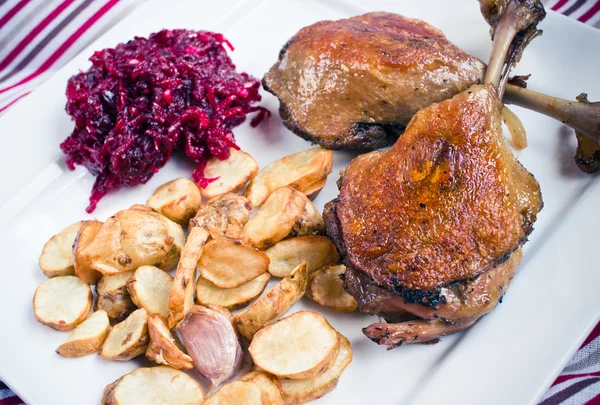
[355,83]
[436,223]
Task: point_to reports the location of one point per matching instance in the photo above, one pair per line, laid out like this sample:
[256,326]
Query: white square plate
[509,357]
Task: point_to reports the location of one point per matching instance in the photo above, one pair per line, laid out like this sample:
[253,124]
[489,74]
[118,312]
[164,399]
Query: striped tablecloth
[38,36]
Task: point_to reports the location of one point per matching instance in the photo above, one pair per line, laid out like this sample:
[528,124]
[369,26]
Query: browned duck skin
[356,83]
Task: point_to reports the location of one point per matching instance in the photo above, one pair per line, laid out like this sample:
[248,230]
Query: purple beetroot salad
[142,100]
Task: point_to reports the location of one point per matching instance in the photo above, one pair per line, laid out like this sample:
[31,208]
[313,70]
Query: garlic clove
[212,342]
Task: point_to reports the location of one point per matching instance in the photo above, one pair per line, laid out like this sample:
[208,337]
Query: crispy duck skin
[449,198]
[356,83]
[433,227]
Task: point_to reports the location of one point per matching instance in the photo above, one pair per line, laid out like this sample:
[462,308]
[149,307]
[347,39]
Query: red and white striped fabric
[38,37]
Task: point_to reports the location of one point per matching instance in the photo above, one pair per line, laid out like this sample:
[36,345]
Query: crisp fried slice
[229,263]
[224,215]
[149,288]
[272,305]
[299,171]
[132,238]
[275,219]
[181,296]
[87,337]
[231,174]
[164,348]
[310,222]
[127,339]
[269,385]
[178,200]
[298,392]
[154,386]
[57,254]
[114,298]
[231,298]
[62,302]
[298,347]
[313,190]
[326,288]
[86,234]
[316,251]
[236,393]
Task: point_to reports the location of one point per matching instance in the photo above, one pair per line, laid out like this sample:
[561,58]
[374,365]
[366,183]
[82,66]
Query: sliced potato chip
[231,174]
[299,346]
[132,238]
[57,254]
[178,200]
[236,393]
[114,298]
[127,339]
[181,296]
[231,298]
[153,386]
[224,215]
[316,251]
[229,263]
[298,392]
[298,171]
[269,385]
[62,302]
[276,302]
[275,219]
[87,337]
[149,288]
[164,348]
[313,190]
[310,222]
[86,234]
[325,287]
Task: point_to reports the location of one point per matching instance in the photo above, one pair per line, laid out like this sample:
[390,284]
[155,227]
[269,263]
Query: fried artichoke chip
[62,302]
[231,174]
[57,255]
[299,171]
[178,200]
[127,339]
[317,251]
[87,337]
[299,346]
[229,263]
[155,385]
[276,218]
[273,304]
[149,288]
[132,238]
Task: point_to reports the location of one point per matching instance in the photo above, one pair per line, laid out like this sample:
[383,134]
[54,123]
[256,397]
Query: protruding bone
[418,331]
[581,115]
[516,25]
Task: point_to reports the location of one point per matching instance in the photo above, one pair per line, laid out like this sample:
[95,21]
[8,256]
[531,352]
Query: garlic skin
[212,342]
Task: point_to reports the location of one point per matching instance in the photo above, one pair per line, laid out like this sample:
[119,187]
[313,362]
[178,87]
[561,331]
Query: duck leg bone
[581,115]
[514,25]
[417,331]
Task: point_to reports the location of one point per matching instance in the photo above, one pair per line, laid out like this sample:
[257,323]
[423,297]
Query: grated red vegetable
[141,101]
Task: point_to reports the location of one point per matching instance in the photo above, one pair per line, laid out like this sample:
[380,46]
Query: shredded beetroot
[139,102]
